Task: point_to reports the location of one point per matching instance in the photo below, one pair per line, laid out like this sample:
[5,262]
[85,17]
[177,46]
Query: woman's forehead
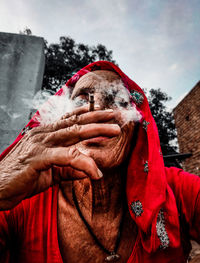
[106,74]
[93,78]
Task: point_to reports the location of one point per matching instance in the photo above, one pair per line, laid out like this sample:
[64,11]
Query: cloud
[156,43]
[173,67]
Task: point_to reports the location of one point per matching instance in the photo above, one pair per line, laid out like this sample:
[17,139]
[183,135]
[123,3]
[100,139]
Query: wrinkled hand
[26,170]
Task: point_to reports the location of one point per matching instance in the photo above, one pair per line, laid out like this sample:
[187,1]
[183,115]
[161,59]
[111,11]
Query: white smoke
[54,107]
[113,95]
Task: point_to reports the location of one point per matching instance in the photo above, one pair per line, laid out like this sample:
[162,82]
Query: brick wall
[187,120]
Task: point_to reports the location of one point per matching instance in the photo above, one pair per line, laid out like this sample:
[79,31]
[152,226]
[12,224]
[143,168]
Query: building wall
[21,74]
[187,120]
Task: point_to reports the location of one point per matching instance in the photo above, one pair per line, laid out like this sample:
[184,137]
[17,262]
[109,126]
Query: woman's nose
[104,100]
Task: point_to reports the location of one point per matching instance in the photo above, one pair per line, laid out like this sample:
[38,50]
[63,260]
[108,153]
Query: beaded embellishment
[146,167]
[137,97]
[161,231]
[145,124]
[25,130]
[137,208]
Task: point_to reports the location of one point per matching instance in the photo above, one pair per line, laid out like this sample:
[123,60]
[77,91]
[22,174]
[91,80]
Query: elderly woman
[92,186]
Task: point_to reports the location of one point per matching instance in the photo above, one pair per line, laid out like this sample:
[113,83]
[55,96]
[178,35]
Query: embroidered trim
[161,231]
[145,124]
[137,208]
[137,97]
[146,167]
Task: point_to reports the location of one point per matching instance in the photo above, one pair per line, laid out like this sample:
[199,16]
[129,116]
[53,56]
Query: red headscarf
[151,201]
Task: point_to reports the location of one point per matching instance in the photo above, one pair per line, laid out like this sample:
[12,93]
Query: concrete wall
[187,120]
[21,73]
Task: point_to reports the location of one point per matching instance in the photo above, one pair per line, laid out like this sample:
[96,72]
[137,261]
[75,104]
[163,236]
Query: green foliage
[27,31]
[164,119]
[165,123]
[67,57]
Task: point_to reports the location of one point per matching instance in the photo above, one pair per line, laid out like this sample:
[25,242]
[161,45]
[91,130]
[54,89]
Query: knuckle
[37,138]
[36,134]
[74,153]
[74,119]
[66,115]
[76,128]
[54,126]
[48,138]
[78,118]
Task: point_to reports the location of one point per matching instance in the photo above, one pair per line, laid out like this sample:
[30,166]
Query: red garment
[31,227]
[152,202]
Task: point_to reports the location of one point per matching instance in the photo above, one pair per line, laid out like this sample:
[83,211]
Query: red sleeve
[4,236]
[11,225]
[195,225]
[186,188]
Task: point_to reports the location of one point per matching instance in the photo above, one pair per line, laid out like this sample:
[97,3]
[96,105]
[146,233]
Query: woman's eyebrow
[84,90]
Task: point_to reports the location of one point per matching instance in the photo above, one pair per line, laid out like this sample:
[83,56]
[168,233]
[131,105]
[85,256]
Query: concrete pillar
[21,74]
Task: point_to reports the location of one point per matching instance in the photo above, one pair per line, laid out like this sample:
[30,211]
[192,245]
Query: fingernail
[109,110]
[97,106]
[99,173]
[116,127]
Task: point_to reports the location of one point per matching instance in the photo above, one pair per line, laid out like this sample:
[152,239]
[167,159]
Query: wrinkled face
[109,93]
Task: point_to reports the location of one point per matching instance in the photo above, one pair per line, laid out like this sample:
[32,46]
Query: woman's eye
[81,100]
[122,103]
[83,96]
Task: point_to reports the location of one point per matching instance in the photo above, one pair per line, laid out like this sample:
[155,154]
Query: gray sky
[155,42]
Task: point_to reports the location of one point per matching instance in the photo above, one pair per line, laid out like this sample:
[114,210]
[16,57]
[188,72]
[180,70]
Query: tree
[27,31]
[67,57]
[165,123]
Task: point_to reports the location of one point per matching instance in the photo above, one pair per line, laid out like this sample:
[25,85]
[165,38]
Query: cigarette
[91,101]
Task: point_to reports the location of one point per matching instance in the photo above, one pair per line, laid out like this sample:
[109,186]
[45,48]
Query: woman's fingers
[77,111]
[67,157]
[60,123]
[86,118]
[81,119]
[76,133]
